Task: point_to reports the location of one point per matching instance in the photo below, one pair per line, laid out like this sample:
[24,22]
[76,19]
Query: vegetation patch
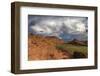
[77,51]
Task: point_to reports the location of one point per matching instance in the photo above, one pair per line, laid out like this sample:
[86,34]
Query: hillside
[50,48]
[44,48]
[77,42]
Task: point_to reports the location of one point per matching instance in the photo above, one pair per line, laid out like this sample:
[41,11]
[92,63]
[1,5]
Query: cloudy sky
[63,27]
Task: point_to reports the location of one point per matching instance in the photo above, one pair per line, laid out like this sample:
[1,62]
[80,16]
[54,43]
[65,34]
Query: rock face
[43,48]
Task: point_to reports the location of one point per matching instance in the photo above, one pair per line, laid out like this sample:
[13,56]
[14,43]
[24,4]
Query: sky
[63,27]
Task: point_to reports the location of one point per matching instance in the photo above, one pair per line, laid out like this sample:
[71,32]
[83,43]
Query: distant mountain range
[77,42]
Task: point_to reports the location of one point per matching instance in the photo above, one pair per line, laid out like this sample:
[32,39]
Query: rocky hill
[44,48]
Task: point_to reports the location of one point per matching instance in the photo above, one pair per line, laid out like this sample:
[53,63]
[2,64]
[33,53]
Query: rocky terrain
[44,48]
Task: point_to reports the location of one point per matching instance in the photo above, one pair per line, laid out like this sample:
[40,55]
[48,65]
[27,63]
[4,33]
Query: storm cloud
[63,27]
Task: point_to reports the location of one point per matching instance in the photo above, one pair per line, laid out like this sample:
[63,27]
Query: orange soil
[43,48]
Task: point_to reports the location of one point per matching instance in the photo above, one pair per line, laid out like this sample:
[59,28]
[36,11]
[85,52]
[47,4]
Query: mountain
[77,42]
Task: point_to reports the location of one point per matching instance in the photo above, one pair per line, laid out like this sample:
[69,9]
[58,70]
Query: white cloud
[75,26]
[55,27]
